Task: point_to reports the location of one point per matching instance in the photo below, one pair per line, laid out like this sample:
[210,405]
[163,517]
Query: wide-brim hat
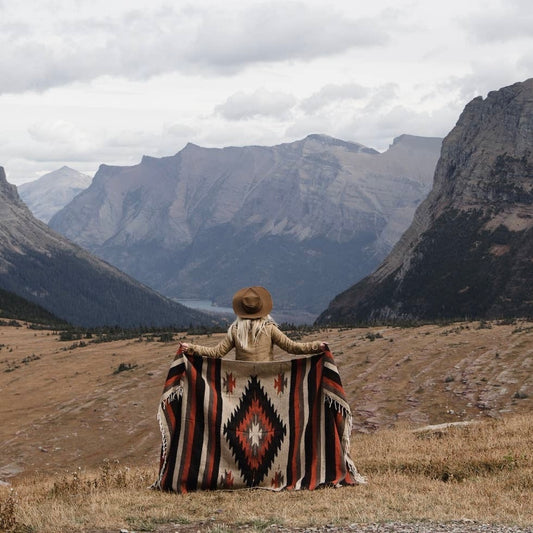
[252,302]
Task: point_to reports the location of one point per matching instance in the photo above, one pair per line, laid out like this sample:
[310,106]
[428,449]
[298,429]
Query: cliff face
[468,250]
[43,267]
[305,219]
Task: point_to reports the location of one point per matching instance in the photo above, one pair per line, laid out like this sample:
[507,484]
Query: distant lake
[206,305]
[293,316]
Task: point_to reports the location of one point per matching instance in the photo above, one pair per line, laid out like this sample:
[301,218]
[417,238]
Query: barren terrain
[76,403]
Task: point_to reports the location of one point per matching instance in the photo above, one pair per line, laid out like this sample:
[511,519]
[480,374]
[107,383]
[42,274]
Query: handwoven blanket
[233,424]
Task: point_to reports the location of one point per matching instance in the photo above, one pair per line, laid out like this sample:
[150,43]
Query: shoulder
[273,329]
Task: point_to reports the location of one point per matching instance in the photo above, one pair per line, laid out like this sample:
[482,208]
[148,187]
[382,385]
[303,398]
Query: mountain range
[469,250]
[43,267]
[53,191]
[305,219]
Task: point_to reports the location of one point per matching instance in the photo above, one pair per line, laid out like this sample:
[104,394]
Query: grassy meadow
[80,443]
[481,472]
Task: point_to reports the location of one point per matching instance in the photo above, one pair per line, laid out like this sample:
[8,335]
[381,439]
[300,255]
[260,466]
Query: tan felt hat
[252,302]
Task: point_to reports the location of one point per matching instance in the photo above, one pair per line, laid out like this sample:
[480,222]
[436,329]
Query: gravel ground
[461,526]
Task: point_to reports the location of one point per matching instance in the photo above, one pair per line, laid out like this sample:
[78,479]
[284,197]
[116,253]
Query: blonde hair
[244,329]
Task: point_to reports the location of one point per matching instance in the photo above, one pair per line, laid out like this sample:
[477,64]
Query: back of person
[254,333]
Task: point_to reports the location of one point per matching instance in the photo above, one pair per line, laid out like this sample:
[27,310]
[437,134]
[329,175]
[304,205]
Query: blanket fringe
[338,406]
[345,441]
[166,399]
[171,395]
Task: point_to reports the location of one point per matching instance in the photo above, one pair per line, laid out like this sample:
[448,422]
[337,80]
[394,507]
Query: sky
[90,82]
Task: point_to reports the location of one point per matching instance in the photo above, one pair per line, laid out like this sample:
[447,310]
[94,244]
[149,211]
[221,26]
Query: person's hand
[183,347]
[324,346]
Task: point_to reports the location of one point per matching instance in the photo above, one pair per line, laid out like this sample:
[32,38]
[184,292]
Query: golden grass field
[80,441]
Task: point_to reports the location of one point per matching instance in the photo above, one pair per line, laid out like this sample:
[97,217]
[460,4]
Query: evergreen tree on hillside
[15,307]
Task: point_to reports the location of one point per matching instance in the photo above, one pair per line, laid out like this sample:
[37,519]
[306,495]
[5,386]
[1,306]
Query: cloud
[333,94]
[381,97]
[376,127]
[512,21]
[55,131]
[483,77]
[264,103]
[526,62]
[53,47]
[278,31]
[310,124]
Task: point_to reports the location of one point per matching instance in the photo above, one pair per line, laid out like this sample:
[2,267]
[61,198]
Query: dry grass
[65,408]
[482,472]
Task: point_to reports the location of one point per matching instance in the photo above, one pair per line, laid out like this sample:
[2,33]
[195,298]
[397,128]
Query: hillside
[467,253]
[305,219]
[78,402]
[43,267]
[16,308]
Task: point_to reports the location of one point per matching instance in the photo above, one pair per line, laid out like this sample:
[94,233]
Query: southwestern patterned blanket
[233,424]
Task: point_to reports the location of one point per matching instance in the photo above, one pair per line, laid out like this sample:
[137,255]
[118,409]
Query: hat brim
[266,303]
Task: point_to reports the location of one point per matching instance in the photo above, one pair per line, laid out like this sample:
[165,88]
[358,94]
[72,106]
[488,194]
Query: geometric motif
[254,433]
[228,383]
[280,382]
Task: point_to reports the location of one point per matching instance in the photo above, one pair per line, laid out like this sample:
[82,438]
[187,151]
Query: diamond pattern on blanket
[254,433]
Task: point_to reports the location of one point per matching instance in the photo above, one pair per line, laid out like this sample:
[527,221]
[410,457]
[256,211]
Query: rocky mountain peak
[488,152]
[317,140]
[51,192]
[468,250]
[7,190]
[415,141]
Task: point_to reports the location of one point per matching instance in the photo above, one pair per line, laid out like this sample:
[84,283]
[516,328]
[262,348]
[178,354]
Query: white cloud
[56,131]
[40,53]
[510,21]
[264,103]
[381,97]
[279,31]
[483,77]
[85,83]
[310,124]
[332,94]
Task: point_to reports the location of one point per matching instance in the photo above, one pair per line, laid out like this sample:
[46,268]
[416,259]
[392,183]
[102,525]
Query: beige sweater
[262,350]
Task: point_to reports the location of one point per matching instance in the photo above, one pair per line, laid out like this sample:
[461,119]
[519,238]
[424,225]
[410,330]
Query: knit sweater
[261,350]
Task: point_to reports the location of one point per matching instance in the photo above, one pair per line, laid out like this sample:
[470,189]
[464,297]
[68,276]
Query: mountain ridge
[207,221]
[466,251]
[43,267]
[51,192]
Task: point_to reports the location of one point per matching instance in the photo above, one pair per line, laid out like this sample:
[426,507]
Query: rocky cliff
[53,191]
[468,252]
[305,219]
[43,267]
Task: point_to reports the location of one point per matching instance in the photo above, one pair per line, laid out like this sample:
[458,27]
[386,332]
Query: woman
[254,332]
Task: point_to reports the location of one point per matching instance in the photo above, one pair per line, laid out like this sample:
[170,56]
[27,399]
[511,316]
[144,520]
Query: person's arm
[220,350]
[296,348]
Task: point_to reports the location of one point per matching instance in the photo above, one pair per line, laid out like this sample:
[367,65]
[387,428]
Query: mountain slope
[43,267]
[468,251]
[14,307]
[53,191]
[305,219]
